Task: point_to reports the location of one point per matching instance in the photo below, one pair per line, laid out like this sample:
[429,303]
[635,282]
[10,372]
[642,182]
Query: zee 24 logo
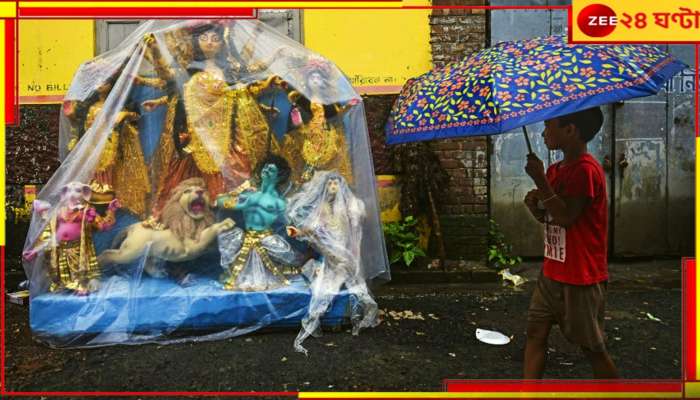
[599,20]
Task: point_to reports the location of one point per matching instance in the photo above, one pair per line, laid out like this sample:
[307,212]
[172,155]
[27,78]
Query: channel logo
[597,20]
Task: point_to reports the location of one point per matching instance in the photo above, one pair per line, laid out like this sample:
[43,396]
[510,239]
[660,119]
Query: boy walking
[572,288]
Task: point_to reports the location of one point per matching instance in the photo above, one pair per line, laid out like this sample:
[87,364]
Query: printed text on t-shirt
[555,242]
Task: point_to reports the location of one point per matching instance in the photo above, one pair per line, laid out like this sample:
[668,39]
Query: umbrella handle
[527,140]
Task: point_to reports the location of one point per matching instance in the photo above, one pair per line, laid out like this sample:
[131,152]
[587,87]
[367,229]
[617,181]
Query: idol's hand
[126,116]
[69,107]
[132,116]
[30,255]
[114,205]
[184,137]
[292,231]
[279,82]
[224,225]
[41,206]
[91,214]
[150,105]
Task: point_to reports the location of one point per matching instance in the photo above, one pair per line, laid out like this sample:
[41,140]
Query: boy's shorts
[578,310]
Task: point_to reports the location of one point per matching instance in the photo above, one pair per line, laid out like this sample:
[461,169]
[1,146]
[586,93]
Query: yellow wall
[377,49]
[50,52]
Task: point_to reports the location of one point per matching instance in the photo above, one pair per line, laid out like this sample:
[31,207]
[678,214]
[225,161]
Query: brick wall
[32,146]
[31,149]
[454,34]
[377,110]
[31,158]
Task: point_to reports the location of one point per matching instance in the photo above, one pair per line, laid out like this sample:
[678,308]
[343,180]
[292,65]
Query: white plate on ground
[492,337]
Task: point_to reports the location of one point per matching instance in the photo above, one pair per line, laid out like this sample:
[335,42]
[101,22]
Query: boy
[571,289]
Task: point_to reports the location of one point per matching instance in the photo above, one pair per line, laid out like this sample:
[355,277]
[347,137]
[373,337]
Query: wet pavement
[428,334]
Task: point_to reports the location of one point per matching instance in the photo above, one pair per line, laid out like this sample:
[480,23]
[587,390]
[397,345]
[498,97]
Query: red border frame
[154,394]
[2,322]
[689,319]
[697,88]
[115,12]
[11,68]
[689,271]
[551,385]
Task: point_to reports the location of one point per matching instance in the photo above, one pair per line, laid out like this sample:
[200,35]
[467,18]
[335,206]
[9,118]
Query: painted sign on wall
[50,52]
[378,50]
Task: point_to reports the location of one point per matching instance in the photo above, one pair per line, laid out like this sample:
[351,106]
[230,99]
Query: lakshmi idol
[319,142]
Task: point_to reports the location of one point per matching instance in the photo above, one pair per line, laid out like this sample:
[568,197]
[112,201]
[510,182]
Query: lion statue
[185,230]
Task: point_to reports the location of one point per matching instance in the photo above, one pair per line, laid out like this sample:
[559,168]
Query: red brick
[475,145]
[462,181]
[448,145]
[457,173]
[436,30]
[480,208]
[450,164]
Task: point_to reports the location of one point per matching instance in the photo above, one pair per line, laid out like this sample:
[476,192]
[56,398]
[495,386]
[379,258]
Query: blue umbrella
[518,83]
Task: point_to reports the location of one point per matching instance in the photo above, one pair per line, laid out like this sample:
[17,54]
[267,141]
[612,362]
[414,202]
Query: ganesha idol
[67,239]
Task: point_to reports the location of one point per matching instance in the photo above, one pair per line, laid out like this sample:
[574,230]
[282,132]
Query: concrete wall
[651,201]
[508,181]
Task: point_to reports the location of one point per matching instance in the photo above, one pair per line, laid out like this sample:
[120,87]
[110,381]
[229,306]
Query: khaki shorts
[578,310]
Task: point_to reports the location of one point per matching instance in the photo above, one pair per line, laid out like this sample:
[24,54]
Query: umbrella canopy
[518,83]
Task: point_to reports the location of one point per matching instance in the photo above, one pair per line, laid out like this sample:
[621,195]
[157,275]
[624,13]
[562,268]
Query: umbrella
[518,83]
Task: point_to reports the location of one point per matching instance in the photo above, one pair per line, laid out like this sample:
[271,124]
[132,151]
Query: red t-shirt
[578,254]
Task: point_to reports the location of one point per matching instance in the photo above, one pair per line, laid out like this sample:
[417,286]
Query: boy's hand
[535,169]
[531,199]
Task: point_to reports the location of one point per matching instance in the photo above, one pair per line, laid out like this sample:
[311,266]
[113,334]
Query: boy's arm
[531,199]
[564,210]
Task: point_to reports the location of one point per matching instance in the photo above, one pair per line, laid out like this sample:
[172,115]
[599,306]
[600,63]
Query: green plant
[423,184]
[500,252]
[402,240]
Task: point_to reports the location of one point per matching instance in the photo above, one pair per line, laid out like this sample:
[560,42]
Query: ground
[403,353]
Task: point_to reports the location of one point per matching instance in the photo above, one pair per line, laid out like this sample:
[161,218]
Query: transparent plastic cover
[216,178]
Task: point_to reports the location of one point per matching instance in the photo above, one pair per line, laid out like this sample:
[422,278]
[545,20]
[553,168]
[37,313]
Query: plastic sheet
[194,199]
[327,214]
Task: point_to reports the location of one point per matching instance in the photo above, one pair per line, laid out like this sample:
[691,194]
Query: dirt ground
[401,354]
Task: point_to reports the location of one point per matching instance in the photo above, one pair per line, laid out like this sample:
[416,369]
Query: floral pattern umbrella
[522,82]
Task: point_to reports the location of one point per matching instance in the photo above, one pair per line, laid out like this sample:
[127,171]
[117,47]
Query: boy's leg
[584,324]
[536,349]
[603,365]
